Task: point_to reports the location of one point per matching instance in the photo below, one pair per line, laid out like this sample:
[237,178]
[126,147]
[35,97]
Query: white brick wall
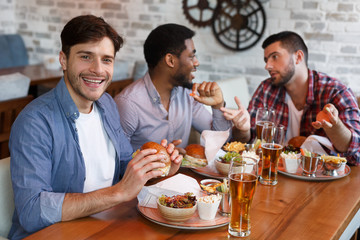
[7,16]
[331,28]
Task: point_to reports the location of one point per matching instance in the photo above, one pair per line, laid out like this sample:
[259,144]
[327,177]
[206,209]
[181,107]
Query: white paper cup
[207,211]
[291,165]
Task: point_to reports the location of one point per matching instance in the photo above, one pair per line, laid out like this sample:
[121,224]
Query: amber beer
[259,127]
[270,157]
[242,189]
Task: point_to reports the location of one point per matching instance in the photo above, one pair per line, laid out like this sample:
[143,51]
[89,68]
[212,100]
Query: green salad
[228,156]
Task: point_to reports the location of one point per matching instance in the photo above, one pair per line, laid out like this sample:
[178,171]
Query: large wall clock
[237,24]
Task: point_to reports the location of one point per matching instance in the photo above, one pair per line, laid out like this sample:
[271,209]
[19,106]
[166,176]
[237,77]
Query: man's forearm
[77,205]
[340,136]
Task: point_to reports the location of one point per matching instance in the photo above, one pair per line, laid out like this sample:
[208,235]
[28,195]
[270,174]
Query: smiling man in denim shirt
[69,155]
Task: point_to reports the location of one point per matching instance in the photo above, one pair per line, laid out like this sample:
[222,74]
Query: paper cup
[291,165]
[208,210]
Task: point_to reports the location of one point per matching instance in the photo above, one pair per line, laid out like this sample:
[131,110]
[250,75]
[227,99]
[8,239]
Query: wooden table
[293,209]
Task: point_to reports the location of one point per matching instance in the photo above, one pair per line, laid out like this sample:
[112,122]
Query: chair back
[121,70]
[116,87]
[7,205]
[13,51]
[232,87]
[9,110]
[140,68]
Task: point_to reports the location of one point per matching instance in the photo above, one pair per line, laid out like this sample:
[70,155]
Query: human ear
[299,54]
[170,60]
[62,60]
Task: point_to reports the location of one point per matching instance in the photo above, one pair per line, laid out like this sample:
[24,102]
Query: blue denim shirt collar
[67,103]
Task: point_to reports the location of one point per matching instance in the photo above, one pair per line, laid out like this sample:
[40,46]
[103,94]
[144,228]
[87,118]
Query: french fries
[234,147]
[334,159]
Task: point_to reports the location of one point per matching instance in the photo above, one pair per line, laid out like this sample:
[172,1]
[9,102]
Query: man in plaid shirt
[298,94]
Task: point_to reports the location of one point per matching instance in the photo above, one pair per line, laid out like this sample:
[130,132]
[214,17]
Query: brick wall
[7,16]
[331,29]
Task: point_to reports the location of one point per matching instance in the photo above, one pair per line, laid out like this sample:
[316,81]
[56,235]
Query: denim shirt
[46,159]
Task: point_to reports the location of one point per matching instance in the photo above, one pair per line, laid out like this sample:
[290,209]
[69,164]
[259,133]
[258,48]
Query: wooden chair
[7,204]
[118,86]
[9,110]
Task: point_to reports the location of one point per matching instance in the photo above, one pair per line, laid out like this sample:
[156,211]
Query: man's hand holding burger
[147,164]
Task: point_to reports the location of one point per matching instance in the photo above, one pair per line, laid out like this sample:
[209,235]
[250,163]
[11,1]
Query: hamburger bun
[322,115]
[195,155]
[160,150]
[296,142]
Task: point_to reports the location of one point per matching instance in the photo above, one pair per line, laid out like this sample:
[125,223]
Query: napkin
[213,141]
[315,144]
[175,185]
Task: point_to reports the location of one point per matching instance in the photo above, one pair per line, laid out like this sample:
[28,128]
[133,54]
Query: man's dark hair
[290,41]
[167,38]
[88,28]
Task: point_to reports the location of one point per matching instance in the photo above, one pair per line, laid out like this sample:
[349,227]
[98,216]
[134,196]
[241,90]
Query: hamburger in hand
[160,150]
[195,155]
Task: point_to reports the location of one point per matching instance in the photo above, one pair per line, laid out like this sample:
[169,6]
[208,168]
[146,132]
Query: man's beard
[182,81]
[289,73]
[76,86]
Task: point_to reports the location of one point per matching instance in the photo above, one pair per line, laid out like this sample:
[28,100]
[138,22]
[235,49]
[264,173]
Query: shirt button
[76,130]
[154,99]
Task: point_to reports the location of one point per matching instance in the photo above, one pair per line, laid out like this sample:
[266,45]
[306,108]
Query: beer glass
[263,115]
[271,145]
[243,175]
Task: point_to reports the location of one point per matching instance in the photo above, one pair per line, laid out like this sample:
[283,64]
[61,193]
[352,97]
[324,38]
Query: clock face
[199,12]
[237,24]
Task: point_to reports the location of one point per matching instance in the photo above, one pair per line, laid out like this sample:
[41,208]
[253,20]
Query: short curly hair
[167,38]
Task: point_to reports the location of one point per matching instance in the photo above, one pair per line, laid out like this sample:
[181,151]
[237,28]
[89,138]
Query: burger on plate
[296,142]
[160,150]
[195,155]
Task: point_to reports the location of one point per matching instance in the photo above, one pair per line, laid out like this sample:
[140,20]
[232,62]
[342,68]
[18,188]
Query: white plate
[194,223]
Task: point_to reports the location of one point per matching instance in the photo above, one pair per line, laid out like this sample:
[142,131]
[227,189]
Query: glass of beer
[243,175]
[272,141]
[263,115]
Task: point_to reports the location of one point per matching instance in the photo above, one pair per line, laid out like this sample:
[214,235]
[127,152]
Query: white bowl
[176,214]
[223,168]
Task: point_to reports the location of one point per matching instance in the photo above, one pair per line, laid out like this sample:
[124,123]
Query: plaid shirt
[322,90]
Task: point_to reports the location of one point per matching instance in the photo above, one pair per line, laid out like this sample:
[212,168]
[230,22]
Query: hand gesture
[326,118]
[209,94]
[240,117]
